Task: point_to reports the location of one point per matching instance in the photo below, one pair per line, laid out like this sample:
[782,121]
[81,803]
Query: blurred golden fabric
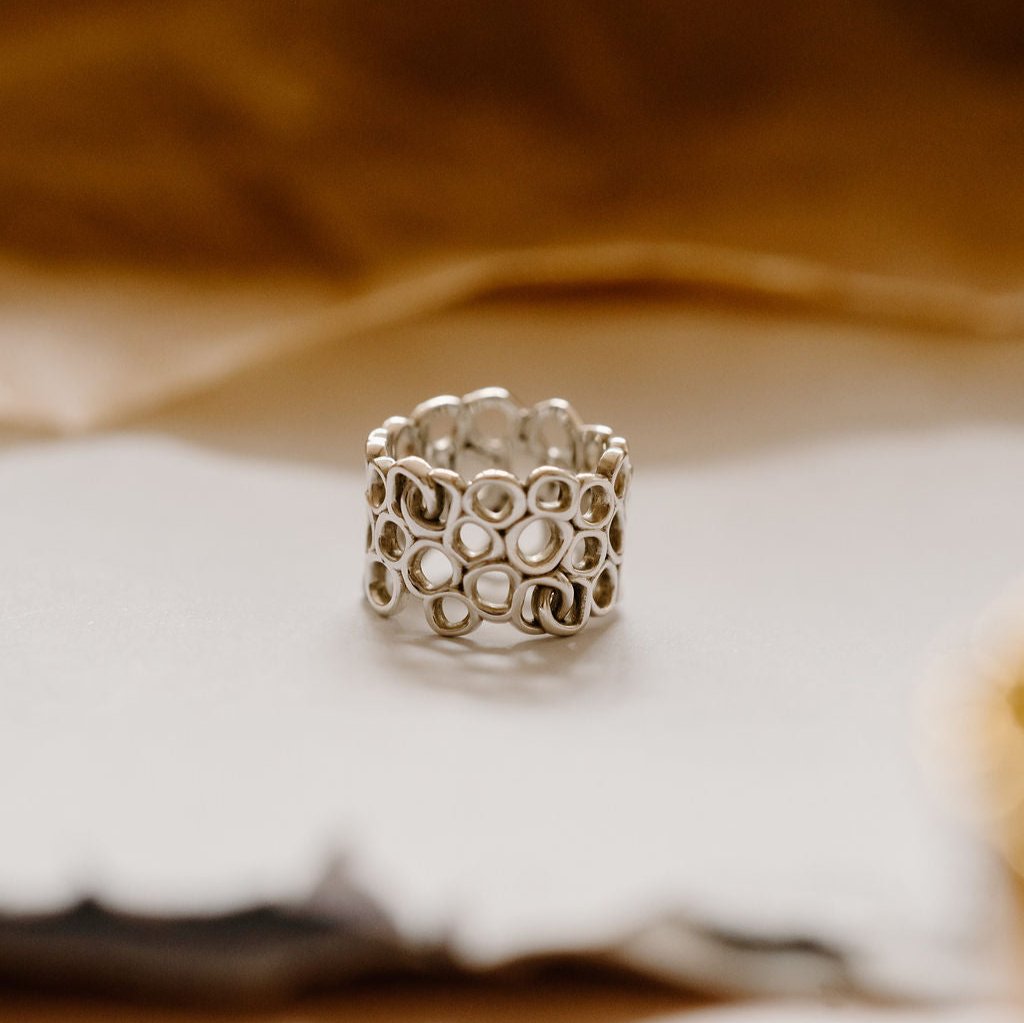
[344,139]
[161,165]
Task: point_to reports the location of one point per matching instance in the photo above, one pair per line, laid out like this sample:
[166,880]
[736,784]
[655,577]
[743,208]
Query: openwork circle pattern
[486,510]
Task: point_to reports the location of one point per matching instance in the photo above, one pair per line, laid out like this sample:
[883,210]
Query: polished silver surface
[486,510]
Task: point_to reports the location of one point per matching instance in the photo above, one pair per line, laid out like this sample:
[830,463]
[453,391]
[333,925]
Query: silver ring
[486,510]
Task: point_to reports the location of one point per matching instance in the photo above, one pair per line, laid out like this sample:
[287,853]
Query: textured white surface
[196,711]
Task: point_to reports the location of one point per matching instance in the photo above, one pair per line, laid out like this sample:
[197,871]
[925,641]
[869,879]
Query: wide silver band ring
[486,510]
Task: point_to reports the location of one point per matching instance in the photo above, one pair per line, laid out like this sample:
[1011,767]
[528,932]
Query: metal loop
[597,502]
[541,428]
[604,590]
[617,536]
[410,471]
[489,610]
[391,540]
[554,492]
[530,588]
[586,553]
[401,437]
[439,448]
[615,466]
[556,536]
[445,489]
[593,444]
[377,444]
[437,617]
[496,403]
[496,497]
[376,487]
[564,617]
[418,581]
[463,548]
[382,586]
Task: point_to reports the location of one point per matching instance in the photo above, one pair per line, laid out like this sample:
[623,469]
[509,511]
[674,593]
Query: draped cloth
[192,188]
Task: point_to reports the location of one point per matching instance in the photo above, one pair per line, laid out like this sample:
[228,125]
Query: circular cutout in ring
[597,503]
[552,430]
[410,473]
[605,590]
[437,424]
[616,467]
[377,445]
[536,544]
[593,443]
[617,536]
[492,601]
[376,487]
[430,568]
[442,611]
[586,553]
[402,441]
[391,539]
[383,586]
[473,540]
[445,499]
[623,478]
[490,420]
[553,491]
[496,497]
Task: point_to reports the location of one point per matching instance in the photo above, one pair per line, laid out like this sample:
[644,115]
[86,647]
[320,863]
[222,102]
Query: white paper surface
[197,712]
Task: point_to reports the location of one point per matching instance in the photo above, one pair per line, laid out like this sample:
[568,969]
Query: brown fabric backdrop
[323,151]
[338,139]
